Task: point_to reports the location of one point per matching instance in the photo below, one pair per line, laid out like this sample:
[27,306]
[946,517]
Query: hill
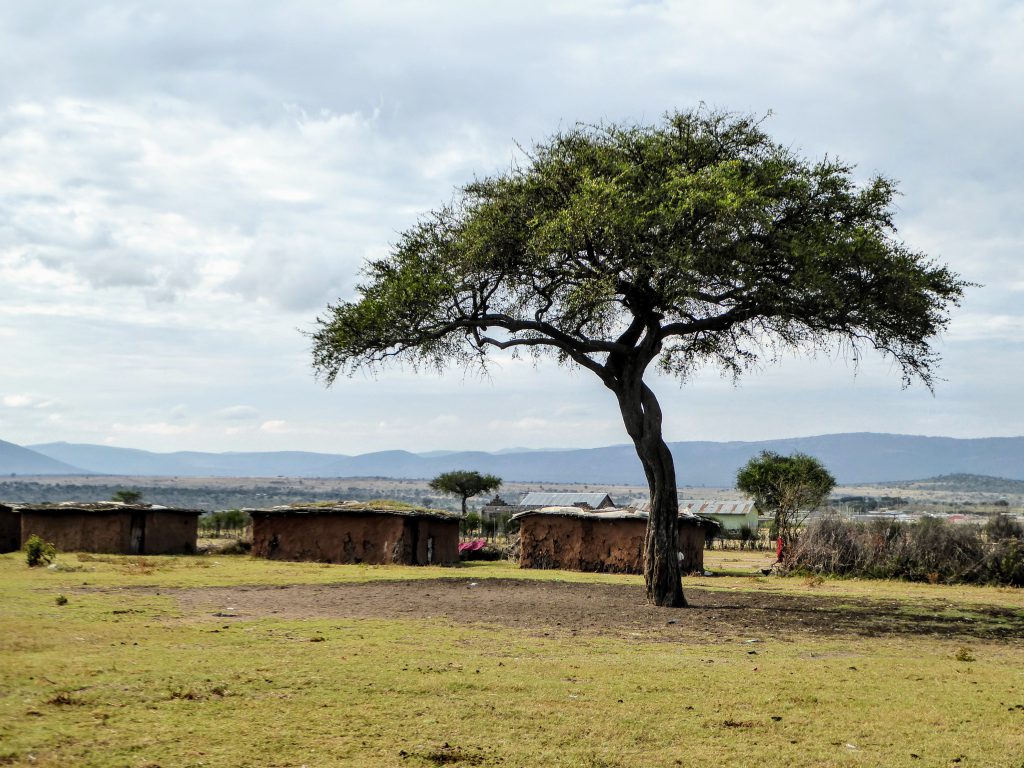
[852,458]
[16,460]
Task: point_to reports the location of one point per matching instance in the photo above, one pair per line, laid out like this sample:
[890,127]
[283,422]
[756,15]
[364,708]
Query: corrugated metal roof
[717,507]
[542,499]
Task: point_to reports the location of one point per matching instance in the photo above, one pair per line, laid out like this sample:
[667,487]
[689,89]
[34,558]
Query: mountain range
[853,458]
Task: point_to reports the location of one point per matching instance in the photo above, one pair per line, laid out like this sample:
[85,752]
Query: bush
[1000,527]
[929,550]
[39,552]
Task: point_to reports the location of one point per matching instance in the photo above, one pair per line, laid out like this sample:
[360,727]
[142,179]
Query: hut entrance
[137,536]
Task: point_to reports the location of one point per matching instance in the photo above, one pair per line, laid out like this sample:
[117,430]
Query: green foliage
[214,523]
[692,241]
[786,487]
[127,496]
[39,552]
[61,600]
[465,484]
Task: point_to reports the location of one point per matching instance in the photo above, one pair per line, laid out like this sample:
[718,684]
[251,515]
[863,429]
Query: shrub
[1000,526]
[39,552]
[930,550]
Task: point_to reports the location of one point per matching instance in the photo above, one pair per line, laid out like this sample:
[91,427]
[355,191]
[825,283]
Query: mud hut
[375,533]
[608,541]
[109,527]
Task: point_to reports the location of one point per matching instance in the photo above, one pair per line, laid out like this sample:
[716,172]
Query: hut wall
[691,545]
[79,531]
[581,544]
[10,530]
[375,539]
[605,546]
[170,533]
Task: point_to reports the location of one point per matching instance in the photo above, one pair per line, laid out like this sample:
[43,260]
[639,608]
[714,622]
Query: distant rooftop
[542,499]
[716,507]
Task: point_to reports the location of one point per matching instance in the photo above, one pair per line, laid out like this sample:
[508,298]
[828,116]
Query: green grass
[119,677]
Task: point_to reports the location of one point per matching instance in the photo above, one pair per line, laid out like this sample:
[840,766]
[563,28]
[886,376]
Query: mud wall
[582,544]
[79,531]
[170,533]
[602,546]
[10,530]
[375,539]
[691,546]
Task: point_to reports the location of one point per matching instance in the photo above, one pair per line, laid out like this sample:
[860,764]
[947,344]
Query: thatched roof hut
[608,541]
[374,532]
[105,526]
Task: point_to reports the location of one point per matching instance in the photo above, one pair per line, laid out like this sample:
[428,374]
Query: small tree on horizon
[695,242]
[465,484]
[126,496]
[786,487]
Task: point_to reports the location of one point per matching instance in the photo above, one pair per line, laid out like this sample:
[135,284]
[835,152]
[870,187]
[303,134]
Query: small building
[106,526]
[731,515]
[375,533]
[497,508]
[607,541]
[540,499]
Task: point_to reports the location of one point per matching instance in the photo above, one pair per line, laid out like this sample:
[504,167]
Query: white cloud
[238,413]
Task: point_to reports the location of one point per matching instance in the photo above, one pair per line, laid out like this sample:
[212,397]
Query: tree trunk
[642,417]
[464,505]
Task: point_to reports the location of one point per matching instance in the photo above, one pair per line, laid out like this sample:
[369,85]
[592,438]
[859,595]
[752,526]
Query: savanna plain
[224,660]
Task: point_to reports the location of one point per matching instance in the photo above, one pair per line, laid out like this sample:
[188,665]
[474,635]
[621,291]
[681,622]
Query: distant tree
[127,496]
[465,484]
[696,241]
[787,487]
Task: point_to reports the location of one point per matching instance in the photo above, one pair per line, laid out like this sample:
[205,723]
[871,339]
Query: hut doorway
[137,534]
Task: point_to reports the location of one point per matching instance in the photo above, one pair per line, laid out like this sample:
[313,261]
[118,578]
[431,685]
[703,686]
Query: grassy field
[127,673]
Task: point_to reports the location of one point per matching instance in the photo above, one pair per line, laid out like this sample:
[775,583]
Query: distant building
[107,526]
[497,508]
[356,532]
[731,515]
[539,499]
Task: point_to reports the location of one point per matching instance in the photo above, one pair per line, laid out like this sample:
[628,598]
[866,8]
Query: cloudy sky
[184,186]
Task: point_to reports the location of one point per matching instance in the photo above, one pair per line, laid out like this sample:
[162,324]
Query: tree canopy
[786,487]
[465,484]
[697,241]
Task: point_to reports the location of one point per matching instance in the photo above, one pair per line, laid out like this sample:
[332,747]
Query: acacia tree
[787,487]
[696,241]
[465,484]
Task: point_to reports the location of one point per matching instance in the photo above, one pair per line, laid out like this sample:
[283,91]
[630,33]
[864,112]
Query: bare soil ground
[558,608]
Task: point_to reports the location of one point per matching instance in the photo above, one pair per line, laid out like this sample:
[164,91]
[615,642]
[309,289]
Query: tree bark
[641,415]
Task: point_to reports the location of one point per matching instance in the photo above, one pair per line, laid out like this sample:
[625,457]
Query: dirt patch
[601,609]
